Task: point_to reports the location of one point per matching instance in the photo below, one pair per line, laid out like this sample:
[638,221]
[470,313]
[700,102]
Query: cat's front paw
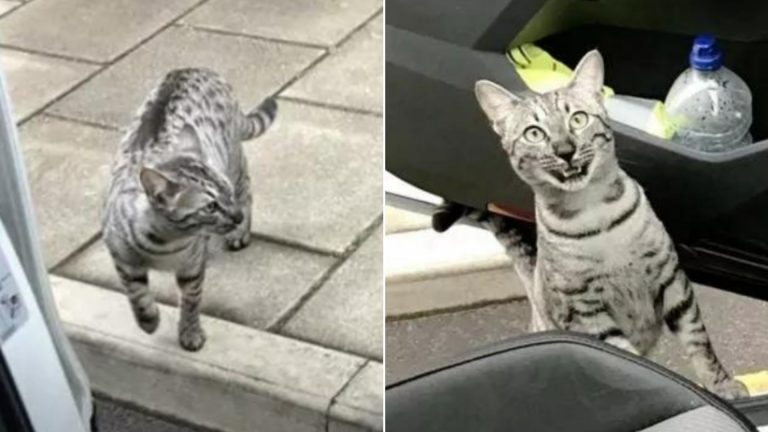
[238,241]
[730,389]
[148,318]
[192,338]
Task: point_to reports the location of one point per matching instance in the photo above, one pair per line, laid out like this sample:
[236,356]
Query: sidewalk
[308,289]
[465,296]
[428,272]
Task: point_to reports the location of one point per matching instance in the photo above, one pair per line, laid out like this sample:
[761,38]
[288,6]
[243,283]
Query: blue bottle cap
[705,54]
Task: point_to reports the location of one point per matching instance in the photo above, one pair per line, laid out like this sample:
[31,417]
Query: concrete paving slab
[351,76]
[397,220]
[425,254]
[68,167]
[255,69]
[347,311]
[243,380]
[99,31]
[323,22]
[252,287]
[735,324]
[361,402]
[317,176]
[36,80]
[6,5]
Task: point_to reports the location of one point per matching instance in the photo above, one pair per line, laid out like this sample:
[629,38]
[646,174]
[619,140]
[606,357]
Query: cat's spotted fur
[604,264]
[180,175]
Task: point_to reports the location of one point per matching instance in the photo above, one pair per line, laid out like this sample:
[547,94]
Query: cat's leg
[240,237]
[524,262]
[608,332]
[135,281]
[585,315]
[620,341]
[537,324]
[190,280]
[522,255]
[683,317]
[539,321]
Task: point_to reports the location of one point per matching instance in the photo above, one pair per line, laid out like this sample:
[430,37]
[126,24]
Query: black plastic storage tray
[715,206]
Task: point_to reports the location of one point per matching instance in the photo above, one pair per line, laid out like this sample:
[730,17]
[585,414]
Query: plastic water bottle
[709,106]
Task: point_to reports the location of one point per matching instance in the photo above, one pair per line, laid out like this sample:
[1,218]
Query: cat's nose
[565,151]
[238,217]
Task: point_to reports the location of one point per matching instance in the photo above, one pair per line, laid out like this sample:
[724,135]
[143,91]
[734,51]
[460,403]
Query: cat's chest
[170,261]
[617,260]
[606,252]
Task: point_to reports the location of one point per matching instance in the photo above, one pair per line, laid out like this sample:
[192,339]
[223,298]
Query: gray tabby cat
[604,263]
[180,176]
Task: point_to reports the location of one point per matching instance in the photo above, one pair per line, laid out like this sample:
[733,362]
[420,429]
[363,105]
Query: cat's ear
[495,100]
[588,75]
[158,187]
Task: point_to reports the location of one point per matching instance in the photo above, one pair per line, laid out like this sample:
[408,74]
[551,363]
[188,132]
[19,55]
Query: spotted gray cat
[604,264]
[180,175]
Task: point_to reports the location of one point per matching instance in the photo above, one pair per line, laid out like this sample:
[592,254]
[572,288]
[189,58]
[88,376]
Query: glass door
[49,379]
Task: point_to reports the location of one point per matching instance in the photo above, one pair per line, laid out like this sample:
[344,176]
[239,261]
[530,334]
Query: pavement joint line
[42,53]
[335,107]
[299,75]
[264,237]
[61,96]
[300,338]
[9,11]
[83,247]
[111,62]
[91,337]
[149,411]
[222,32]
[190,357]
[80,122]
[332,402]
[176,306]
[279,323]
[358,28]
[435,272]
[296,245]
[90,282]
[453,309]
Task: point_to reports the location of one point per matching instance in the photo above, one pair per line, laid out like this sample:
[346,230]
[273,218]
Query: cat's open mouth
[570,173]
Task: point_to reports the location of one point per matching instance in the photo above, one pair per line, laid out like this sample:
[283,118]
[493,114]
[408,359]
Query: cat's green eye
[579,120]
[534,134]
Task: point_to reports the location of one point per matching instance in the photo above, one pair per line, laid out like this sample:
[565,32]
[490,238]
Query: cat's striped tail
[259,120]
[522,252]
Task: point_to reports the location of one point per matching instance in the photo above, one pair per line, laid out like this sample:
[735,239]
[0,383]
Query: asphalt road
[737,325]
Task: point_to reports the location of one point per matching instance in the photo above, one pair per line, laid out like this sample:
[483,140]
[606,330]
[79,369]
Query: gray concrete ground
[735,323]
[313,272]
[114,417]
